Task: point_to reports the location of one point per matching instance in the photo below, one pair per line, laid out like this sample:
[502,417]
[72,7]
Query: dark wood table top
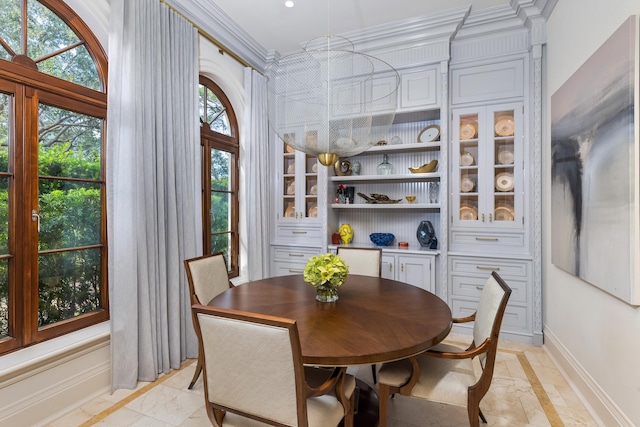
[374,320]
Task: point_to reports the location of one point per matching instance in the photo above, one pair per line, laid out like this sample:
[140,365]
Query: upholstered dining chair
[207,277]
[363,261]
[242,389]
[366,262]
[445,373]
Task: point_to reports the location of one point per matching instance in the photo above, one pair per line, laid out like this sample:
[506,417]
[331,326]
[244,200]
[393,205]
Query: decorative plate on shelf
[467,185]
[290,212]
[468,130]
[291,168]
[503,213]
[429,134]
[291,189]
[504,181]
[468,213]
[313,211]
[314,168]
[505,157]
[504,127]
[466,159]
[290,149]
[314,190]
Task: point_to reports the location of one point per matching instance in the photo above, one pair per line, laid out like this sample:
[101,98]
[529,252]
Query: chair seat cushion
[441,380]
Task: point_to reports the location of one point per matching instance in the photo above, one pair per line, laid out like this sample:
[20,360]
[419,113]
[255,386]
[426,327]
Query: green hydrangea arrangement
[325,268]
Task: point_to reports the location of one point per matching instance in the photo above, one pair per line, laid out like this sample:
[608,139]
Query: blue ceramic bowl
[382,239]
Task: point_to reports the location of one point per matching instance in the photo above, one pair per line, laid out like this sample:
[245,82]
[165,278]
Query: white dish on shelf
[468,213]
[396,140]
[291,189]
[313,211]
[290,212]
[504,181]
[466,159]
[429,134]
[504,127]
[291,168]
[468,130]
[503,213]
[314,190]
[505,157]
[314,168]
[467,185]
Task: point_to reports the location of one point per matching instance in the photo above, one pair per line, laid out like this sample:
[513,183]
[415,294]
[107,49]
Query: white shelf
[400,205]
[431,176]
[413,146]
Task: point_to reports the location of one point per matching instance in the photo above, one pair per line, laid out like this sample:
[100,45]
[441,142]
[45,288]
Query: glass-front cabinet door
[299,186]
[487,170]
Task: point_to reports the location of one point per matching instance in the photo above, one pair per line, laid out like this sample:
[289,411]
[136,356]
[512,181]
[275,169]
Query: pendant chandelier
[323,101]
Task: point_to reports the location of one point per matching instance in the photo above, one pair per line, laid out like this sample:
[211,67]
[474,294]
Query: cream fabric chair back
[208,276]
[253,365]
[363,261]
[488,306]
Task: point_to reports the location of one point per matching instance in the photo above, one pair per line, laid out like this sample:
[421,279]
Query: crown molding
[429,34]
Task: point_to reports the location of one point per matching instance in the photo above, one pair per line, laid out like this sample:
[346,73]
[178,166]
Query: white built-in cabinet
[483,91]
[413,268]
[491,193]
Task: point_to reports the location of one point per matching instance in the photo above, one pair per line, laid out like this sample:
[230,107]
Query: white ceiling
[276,27]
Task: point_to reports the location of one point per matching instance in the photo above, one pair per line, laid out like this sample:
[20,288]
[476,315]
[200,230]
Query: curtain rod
[221,47]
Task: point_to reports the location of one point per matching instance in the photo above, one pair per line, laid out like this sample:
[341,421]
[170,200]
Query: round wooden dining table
[374,320]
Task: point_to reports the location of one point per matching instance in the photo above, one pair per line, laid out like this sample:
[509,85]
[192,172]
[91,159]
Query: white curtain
[257,158]
[153,188]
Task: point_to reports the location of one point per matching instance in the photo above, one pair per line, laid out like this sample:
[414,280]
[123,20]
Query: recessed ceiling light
[288,3]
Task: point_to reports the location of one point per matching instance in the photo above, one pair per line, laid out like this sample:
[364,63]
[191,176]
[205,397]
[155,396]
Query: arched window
[221,151]
[53,105]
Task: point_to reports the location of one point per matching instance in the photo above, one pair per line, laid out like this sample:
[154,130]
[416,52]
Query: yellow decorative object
[427,167]
[346,233]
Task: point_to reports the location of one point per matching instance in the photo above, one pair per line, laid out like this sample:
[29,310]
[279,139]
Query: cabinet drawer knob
[296,254]
[390,266]
[479,288]
[487,267]
[487,239]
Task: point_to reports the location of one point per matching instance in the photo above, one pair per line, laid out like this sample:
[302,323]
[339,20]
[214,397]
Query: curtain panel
[153,188]
[256,155]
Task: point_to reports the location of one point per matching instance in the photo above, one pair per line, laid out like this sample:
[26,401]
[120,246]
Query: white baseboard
[604,410]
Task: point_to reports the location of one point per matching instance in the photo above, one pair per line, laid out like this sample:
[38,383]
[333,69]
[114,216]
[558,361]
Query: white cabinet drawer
[294,254]
[469,286]
[516,318]
[302,233]
[484,267]
[499,242]
[281,268]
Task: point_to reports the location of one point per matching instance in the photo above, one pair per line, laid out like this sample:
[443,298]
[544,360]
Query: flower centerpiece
[326,272]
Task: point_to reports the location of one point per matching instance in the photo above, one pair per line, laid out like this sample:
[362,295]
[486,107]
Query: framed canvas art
[595,168]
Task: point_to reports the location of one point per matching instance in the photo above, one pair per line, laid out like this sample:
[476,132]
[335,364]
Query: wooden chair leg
[474,415]
[484,420]
[373,372]
[196,374]
[383,404]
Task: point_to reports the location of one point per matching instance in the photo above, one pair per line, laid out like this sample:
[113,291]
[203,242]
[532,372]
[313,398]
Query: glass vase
[385,168]
[326,293]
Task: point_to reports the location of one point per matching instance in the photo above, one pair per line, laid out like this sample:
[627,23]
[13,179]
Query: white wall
[594,336]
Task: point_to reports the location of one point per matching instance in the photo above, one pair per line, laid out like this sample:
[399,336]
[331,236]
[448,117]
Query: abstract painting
[594,167]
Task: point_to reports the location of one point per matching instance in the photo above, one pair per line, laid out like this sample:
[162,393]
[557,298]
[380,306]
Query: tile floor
[527,391]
